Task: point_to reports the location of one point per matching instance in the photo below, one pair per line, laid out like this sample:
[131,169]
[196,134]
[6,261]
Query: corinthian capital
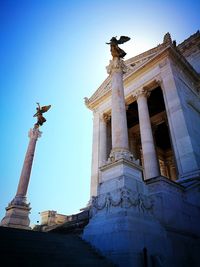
[116,65]
[34,133]
[142,92]
[105,117]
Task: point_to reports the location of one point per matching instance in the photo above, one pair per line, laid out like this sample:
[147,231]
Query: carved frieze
[117,154]
[123,198]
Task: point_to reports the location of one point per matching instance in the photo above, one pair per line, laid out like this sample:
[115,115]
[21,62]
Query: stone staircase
[25,248]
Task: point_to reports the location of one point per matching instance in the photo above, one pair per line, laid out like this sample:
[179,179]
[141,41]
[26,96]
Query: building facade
[166,79]
[153,194]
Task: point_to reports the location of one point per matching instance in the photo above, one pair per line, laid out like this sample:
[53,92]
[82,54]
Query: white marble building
[145,181]
[171,76]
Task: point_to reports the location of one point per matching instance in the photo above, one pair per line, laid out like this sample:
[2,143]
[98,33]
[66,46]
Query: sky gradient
[54,52]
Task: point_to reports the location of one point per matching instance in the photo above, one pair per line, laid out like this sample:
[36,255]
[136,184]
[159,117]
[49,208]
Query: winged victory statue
[114,48]
[39,115]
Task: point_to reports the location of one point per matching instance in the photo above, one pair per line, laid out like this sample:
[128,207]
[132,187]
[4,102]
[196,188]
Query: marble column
[95,154]
[18,209]
[172,170]
[151,166]
[133,145]
[103,140]
[120,147]
[163,168]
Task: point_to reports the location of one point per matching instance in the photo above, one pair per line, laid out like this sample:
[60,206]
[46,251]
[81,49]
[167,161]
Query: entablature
[138,73]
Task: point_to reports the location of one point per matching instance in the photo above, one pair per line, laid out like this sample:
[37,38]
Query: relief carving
[124,198]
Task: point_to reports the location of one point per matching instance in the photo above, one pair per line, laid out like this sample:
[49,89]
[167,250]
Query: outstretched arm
[38,105]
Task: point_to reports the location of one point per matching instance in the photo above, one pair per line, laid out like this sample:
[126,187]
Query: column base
[17,215]
[121,153]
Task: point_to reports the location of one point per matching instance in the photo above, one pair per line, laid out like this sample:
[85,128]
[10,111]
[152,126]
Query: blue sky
[54,52]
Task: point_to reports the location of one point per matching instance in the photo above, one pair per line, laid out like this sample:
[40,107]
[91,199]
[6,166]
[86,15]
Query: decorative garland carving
[117,154]
[124,198]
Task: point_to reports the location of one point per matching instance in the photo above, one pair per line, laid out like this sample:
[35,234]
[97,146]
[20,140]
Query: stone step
[29,248]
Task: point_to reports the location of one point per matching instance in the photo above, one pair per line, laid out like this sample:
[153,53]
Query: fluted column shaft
[26,170]
[151,166]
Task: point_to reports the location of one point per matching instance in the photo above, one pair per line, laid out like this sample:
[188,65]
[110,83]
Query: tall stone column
[18,209]
[95,155]
[103,140]
[120,147]
[151,166]
[133,145]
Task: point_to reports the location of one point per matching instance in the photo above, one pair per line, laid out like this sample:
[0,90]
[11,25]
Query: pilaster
[181,140]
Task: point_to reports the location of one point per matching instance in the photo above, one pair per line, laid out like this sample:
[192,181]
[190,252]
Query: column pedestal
[122,222]
[17,216]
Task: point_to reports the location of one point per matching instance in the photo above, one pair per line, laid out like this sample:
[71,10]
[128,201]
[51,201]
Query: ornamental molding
[194,103]
[122,198]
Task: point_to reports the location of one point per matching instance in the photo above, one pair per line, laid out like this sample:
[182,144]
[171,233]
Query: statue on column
[38,114]
[114,48]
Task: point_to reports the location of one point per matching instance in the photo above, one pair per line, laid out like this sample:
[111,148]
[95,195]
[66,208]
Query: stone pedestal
[122,223]
[17,212]
[17,216]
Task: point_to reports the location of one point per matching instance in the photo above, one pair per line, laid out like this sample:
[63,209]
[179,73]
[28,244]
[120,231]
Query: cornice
[186,43]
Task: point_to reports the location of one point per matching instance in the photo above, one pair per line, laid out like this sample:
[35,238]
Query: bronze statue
[114,48]
[38,114]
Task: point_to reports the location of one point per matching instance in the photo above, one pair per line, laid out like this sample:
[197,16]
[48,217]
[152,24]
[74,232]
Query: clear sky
[54,52]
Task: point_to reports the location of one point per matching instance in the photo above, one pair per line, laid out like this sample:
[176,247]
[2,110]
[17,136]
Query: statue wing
[123,39]
[45,108]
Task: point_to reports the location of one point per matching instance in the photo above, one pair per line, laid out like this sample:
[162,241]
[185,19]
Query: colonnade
[150,160]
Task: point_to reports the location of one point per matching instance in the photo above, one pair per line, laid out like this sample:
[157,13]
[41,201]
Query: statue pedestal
[122,225]
[17,216]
